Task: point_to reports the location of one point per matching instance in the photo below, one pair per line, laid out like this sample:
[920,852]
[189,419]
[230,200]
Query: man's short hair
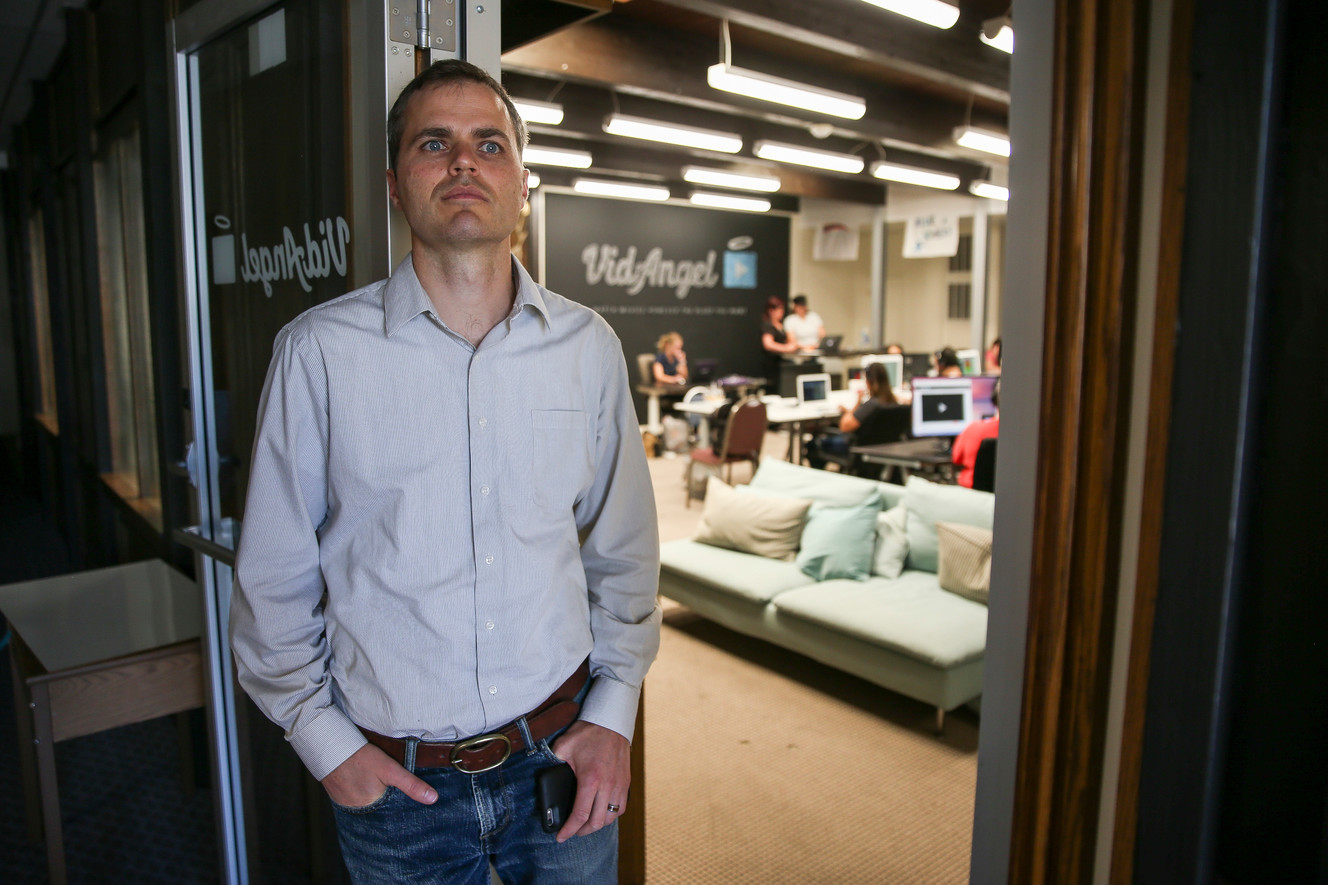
[451,70]
[800,300]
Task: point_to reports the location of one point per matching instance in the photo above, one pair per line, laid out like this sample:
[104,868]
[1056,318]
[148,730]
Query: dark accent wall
[650,268]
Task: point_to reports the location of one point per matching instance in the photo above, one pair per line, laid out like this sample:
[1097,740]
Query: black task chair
[885,425]
[984,466]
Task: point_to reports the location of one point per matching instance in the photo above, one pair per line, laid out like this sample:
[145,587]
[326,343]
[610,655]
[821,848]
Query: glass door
[262,134]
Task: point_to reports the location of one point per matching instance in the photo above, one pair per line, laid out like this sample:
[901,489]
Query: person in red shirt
[964,453]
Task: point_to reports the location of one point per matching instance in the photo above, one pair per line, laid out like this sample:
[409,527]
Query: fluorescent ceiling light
[532,180]
[990,191]
[982,140]
[728,201]
[547,156]
[673,133]
[788,153]
[936,13]
[539,111]
[913,175]
[768,88]
[620,189]
[739,180]
[1004,39]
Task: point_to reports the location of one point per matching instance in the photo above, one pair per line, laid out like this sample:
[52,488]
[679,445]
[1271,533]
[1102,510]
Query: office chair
[885,425]
[984,466]
[645,364]
[743,436]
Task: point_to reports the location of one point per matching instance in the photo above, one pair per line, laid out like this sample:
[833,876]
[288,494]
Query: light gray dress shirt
[436,535]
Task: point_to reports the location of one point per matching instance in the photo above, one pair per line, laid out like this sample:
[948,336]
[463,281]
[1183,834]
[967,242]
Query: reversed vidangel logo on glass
[317,257]
[740,264]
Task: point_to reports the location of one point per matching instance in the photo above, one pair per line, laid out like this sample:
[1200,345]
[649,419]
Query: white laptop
[814,388]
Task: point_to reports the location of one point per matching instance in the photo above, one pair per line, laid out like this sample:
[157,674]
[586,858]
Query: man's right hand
[366,775]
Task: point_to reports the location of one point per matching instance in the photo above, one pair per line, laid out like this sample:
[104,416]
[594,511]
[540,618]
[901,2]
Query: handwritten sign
[931,236]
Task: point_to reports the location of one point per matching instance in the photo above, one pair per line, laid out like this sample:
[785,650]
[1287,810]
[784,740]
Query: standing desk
[96,650]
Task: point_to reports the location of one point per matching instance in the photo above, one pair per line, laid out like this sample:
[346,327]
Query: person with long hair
[879,396]
[775,340]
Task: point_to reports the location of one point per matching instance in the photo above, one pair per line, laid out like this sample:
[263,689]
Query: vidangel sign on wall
[650,269]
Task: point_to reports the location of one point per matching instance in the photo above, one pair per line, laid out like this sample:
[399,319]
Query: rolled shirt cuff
[326,742]
[612,704]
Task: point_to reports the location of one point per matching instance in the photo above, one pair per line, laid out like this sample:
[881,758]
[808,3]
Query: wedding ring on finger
[613,809]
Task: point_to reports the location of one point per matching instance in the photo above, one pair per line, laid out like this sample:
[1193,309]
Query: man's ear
[392,188]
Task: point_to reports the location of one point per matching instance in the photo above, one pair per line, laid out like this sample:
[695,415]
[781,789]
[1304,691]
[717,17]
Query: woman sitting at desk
[670,361]
[879,396]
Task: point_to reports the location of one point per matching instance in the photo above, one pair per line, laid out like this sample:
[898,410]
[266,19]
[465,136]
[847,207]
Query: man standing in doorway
[448,571]
[805,326]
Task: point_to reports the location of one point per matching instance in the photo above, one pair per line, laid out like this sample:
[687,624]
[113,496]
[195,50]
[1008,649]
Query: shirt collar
[405,299]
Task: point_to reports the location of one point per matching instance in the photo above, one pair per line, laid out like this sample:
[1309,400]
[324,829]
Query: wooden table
[96,650]
[914,455]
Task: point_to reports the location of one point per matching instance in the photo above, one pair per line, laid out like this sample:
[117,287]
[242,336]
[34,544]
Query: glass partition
[126,339]
[41,313]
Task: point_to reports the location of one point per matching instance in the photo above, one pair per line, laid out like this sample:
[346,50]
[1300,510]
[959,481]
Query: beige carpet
[765,767]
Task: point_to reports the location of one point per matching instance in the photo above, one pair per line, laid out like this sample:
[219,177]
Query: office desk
[96,650]
[914,455]
[796,415]
[652,393]
[777,411]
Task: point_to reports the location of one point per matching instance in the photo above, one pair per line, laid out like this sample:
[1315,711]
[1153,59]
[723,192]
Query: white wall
[916,289]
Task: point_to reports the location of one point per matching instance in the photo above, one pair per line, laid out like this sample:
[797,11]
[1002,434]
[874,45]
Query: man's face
[459,179]
[800,309]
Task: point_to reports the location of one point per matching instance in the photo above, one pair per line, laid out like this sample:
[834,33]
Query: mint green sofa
[903,633]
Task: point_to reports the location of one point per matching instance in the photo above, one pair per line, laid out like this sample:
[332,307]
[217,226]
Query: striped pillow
[965,560]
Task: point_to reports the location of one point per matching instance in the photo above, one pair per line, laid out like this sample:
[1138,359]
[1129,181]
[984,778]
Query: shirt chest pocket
[561,461]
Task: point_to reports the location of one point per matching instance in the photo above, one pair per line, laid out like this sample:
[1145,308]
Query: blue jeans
[478,819]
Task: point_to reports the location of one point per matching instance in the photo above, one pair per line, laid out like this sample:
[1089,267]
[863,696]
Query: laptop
[813,388]
[830,344]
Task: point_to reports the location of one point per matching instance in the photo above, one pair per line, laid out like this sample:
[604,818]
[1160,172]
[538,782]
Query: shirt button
[484,422]
[488,560]
[484,490]
[493,689]
[488,625]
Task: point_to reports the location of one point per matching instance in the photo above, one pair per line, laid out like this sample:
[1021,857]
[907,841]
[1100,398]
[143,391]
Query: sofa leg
[940,721]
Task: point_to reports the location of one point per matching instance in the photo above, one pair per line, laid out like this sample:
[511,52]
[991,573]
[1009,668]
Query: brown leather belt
[489,750]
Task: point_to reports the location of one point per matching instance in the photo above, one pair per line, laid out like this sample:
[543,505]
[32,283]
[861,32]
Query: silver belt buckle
[475,743]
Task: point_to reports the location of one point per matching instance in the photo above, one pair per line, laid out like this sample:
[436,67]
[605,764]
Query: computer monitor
[942,406]
[970,361]
[916,364]
[703,371]
[893,362]
[983,388]
[813,388]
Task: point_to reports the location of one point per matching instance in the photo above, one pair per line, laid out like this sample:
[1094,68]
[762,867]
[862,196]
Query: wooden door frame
[1099,98]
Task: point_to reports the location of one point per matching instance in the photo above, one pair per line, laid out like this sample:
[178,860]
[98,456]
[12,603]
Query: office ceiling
[648,58]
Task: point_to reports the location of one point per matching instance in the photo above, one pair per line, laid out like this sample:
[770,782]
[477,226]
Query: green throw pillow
[838,541]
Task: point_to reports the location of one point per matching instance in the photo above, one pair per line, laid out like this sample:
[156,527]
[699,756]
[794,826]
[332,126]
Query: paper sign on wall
[931,236]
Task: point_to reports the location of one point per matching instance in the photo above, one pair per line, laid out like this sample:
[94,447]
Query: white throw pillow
[766,526]
[891,542]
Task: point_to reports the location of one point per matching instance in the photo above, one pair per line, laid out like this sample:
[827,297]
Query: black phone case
[555,790]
